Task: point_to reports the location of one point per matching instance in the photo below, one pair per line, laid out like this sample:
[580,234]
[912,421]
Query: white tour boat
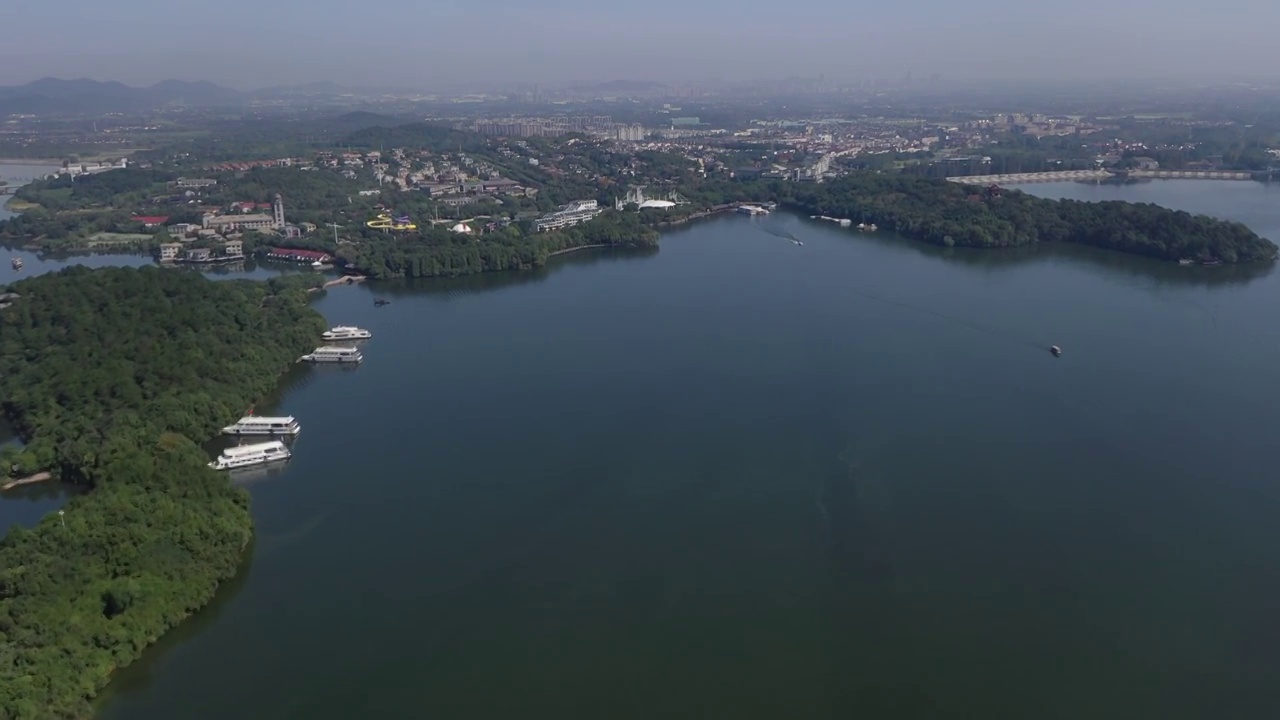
[347,332]
[246,455]
[333,354]
[262,425]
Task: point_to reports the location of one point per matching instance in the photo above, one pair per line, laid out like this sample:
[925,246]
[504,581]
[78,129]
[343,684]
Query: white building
[628,133]
[252,221]
[169,252]
[568,215]
[193,182]
[228,223]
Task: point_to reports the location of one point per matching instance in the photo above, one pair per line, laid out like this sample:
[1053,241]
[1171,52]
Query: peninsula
[111,378]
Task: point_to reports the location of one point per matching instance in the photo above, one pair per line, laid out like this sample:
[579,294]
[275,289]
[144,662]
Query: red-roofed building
[151,220]
[296,255]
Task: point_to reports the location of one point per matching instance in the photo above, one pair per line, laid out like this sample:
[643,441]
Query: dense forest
[945,213]
[112,376]
[439,252]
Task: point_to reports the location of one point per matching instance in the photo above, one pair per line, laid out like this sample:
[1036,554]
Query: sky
[249,44]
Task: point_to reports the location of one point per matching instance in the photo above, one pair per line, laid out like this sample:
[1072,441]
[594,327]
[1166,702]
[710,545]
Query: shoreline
[714,210]
[566,251]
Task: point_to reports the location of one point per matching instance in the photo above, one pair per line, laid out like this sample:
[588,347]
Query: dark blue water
[743,478]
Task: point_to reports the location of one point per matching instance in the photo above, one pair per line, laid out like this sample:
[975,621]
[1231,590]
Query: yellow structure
[386,222]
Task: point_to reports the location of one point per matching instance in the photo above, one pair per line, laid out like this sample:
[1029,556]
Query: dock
[29,480]
[344,280]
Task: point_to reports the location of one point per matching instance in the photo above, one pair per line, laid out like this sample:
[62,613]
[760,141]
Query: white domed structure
[461,228]
[657,204]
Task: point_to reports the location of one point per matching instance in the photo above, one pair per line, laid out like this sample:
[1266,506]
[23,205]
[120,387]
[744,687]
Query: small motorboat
[1055,350]
[380,302]
[16,263]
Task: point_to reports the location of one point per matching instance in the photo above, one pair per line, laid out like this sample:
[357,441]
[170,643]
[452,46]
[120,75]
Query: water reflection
[468,284]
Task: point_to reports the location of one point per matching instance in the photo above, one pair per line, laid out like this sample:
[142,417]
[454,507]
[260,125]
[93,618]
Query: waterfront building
[296,255]
[169,252]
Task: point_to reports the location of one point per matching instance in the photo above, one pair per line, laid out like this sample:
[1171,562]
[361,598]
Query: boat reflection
[258,473]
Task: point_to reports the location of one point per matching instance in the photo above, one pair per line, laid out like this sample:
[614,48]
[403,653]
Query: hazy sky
[254,43]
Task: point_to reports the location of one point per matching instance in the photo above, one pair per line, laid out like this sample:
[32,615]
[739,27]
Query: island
[112,377]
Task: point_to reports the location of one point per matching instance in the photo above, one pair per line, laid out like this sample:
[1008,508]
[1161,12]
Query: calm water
[740,478]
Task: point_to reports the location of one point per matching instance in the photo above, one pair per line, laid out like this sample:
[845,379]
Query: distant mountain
[54,95]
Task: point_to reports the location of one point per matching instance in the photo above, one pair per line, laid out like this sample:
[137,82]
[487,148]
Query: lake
[741,478]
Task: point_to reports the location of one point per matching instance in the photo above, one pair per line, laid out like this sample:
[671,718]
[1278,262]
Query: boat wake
[780,233]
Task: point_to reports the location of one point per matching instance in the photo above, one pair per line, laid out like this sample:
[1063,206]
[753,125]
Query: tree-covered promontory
[439,252]
[949,214]
[112,376]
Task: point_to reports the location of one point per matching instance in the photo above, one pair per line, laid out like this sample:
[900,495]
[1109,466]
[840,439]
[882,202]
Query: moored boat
[346,332]
[248,455]
[263,425]
[16,263]
[327,354]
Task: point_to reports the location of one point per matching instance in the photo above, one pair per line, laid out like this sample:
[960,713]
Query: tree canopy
[111,377]
[438,252]
[945,213]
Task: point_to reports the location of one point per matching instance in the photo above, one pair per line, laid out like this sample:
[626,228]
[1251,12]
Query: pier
[345,280]
[29,480]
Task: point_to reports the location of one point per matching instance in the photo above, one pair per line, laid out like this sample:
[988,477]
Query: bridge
[1097,176]
[1192,174]
[1037,177]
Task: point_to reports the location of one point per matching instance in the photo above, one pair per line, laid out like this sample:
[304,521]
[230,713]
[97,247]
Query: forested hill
[945,213]
[112,376]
